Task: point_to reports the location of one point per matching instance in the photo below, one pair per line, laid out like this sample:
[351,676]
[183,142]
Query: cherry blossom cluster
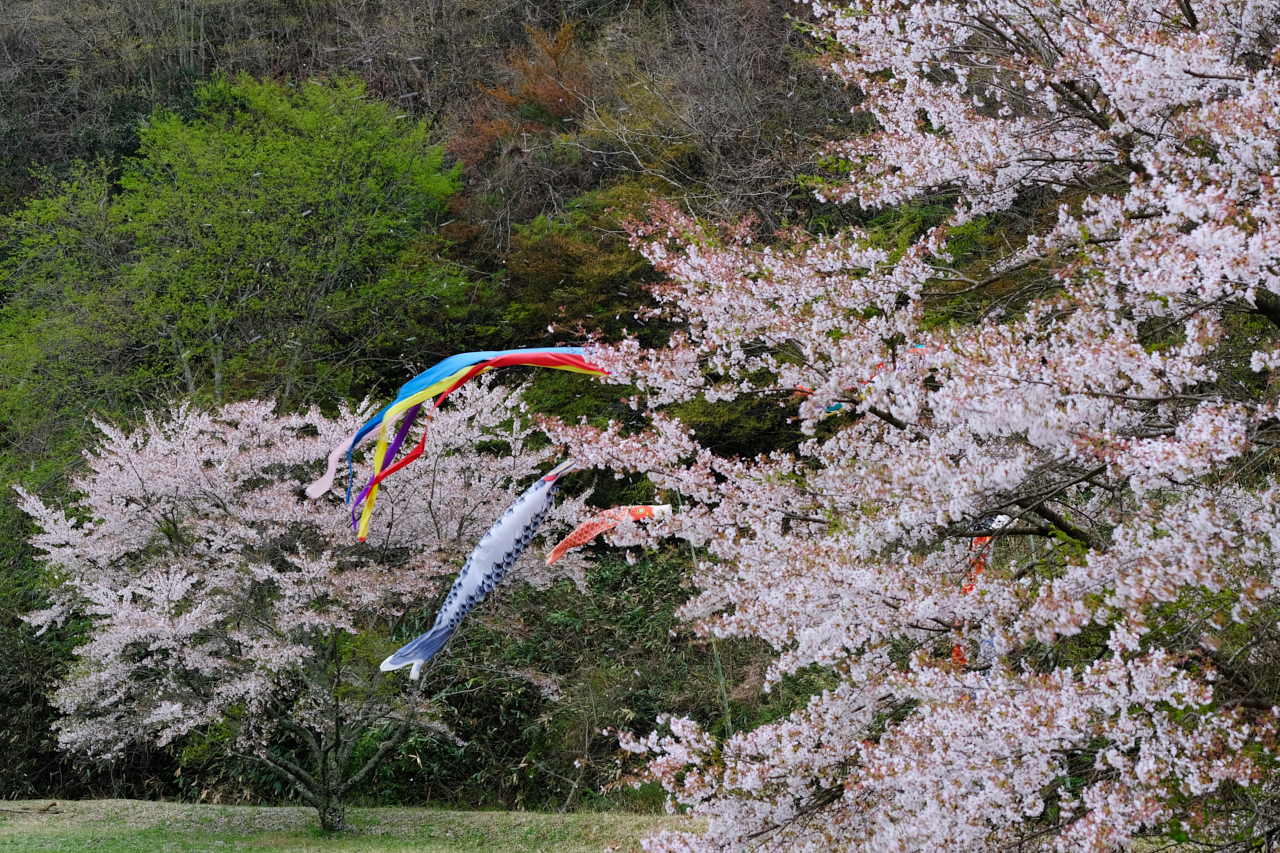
[1104,380]
[214,587]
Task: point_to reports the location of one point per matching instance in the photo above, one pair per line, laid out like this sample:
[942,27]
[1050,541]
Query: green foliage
[30,765]
[262,230]
[67,325]
[262,247]
[55,127]
[746,426]
[620,660]
[578,270]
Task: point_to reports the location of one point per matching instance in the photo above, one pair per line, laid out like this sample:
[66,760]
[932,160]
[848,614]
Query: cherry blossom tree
[219,596]
[1106,380]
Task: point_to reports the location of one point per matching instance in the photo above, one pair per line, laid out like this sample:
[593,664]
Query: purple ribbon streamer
[409,417]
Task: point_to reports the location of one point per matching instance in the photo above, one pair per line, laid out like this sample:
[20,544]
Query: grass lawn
[134,826]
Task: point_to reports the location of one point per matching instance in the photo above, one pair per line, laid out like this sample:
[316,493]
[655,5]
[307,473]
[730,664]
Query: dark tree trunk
[333,812]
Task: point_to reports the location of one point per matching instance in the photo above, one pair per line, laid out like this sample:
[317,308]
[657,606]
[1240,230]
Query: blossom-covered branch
[1107,381]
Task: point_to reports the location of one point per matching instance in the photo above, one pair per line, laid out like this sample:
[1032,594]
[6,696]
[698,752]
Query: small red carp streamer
[441,379]
[607,520]
[977,564]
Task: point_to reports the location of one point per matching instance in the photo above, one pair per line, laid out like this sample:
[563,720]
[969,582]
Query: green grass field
[133,826]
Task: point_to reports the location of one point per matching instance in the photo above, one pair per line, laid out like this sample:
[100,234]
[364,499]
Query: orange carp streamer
[607,520]
[977,564]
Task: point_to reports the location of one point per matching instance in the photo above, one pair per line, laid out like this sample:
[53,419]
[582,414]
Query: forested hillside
[948,330]
[307,203]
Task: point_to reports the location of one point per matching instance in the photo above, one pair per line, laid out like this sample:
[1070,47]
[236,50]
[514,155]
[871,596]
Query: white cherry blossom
[1109,388]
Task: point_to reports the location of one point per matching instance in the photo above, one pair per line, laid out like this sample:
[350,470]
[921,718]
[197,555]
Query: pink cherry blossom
[217,593]
[1093,393]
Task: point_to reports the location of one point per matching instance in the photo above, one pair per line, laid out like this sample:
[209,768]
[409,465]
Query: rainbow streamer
[442,379]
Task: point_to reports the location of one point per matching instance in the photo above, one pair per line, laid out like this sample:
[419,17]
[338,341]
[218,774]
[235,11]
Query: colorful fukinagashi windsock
[607,520]
[484,569]
[442,379]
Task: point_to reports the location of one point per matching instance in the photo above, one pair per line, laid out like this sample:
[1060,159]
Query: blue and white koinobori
[484,569]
